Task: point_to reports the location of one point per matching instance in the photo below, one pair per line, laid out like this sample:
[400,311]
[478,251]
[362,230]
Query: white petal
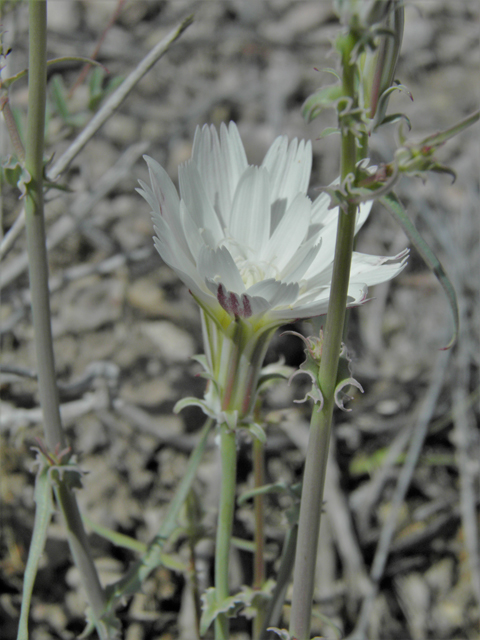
[179,251]
[186,272]
[289,168]
[219,266]
[232,146]
[296,269]
[164,194]
[275,161]
[310,310]
[357,293]
[250,221]
[194,238]
[298,169]
[194,194]
[362,214]
[275,292]
[163,188]
[211,163]
[320,211]
[373,270]
[289,233]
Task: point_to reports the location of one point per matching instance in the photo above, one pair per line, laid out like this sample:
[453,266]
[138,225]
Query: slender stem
[153,557]
[274,610]
[228,452]
[259,507]
[317,454]
[38,265]
[38,271]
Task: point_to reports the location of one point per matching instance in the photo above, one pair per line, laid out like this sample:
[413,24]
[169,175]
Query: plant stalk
[40,300]
[320,426]
[259,507]
[228,452]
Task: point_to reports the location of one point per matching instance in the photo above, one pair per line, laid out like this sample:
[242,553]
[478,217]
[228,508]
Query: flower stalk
[228,453]
[259,534]
[320,426]
[255,253]
[40,302]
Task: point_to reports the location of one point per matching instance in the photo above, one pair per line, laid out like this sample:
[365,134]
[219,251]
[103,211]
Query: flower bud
[377,66]
[362,13]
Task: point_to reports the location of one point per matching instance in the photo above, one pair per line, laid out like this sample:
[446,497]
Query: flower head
[247,241]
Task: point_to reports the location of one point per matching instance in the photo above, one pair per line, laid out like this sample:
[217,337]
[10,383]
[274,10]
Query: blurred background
[125,327]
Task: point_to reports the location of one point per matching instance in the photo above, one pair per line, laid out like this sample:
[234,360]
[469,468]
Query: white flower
[247,241]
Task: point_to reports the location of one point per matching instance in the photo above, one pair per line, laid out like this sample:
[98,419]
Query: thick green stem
[228,452]
[320,426]
[38,271]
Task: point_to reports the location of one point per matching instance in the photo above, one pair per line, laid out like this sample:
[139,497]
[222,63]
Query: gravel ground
[125,327]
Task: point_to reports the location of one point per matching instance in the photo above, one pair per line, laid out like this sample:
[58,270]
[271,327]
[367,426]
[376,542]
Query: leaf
[328,131]
[116,538]
[43,513]
[257,431]
[395,207]
[9,81]
[277,487]
[437,139]
[325,98]
[58,93]
[396,117]
[230,606]
[330,623]
[132,582]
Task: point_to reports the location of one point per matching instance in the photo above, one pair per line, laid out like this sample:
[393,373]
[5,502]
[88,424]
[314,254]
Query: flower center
[252,271]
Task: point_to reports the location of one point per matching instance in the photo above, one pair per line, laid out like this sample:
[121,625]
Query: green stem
[320,426]
[228,452]
[40,300]
[259,557]
[136,576]
[274,610]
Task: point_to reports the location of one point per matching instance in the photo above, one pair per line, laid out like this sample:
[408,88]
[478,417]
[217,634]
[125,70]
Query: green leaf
[43,514]
[395,207]
[118,539]
[325,98]
[9,81]
[277,487]
[95,87]
[396,117]
[58,93]
[328,131]
[257,431]
[132,582]
[230,606]
[437,139]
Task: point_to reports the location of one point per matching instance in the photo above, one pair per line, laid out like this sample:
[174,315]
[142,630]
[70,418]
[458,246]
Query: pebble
[174,344]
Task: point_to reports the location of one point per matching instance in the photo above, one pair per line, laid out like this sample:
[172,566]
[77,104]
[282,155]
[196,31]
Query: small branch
[106,111]
[117,97]
[38,271]
[67,223]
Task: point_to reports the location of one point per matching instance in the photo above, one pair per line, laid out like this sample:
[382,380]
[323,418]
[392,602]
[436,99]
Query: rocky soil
[125,328]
